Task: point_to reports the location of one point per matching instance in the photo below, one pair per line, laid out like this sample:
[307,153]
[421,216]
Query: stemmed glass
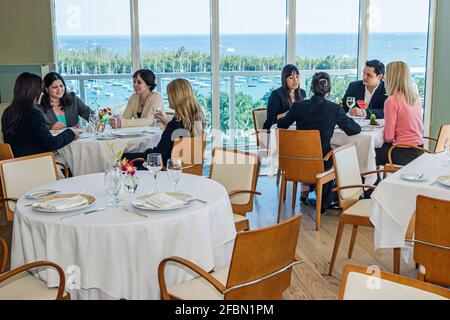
[351,102]
[93,121]
[174,169]
[155,120]
[113,185]
[154,165]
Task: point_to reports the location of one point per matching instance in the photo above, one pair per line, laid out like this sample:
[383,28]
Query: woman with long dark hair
[23,125]
[61,109]
[281,99]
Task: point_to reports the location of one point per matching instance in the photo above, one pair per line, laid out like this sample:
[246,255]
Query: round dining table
[115,253]
[88,154]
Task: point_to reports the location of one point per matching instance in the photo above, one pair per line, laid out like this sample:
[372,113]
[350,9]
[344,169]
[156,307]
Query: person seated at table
[320,114]
[187,121]
[281,99]
[371,90]
[143,104]
[60,108]
[24,126]
[403,124]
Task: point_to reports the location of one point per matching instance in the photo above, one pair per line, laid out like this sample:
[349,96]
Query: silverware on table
[83,213]
[135,212]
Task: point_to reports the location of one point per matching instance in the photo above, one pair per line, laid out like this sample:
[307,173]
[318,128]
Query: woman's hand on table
[115,123]
[58,126]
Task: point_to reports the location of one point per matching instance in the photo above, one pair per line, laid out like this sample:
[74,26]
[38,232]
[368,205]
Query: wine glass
[113,185]
[351,102]
[155,120]
[93,121]
[154,165]
[174,169]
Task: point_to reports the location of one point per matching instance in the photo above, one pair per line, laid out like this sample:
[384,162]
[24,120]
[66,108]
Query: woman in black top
[187,122]
[281,99]
[23,124]
[57,104]
[320,114]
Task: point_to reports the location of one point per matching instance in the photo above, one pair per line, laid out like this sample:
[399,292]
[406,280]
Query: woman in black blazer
[60,108]
[320,114]
[23,125]
[188,121]
[281,99]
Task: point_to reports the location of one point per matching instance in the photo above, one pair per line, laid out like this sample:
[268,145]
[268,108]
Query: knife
[83,214]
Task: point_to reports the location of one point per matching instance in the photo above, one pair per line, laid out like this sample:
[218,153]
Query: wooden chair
[362,283]
[20,175]
[432,240]
[192,152]
[5,152]
[260,268]
[444,134]
[350,188]
[18,284]
[301,160]
[238,172]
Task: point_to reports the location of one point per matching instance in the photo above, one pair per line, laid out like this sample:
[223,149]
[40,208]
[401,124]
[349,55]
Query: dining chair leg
[282,195]
[340,230]
[352,241]
[278,176]
[318,203]
[397,253]
[294,194]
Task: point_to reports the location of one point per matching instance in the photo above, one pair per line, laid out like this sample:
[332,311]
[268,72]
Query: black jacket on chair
[357,89]
[33,137]
[276,105]
[320,114]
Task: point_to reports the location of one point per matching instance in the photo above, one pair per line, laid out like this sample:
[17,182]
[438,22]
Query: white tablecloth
[88,154]
[395,199]
[118,252]
[366,142]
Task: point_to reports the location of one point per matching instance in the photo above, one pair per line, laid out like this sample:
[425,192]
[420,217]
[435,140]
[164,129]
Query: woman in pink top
[403,116]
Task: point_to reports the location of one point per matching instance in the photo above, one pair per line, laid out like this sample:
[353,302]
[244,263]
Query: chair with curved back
[20,175]
[238,172]
[191,150]
[259,117]
[260,268]
[363,283]
[432,240]
[350,188]
[18,284]
[5,152]
[301,160]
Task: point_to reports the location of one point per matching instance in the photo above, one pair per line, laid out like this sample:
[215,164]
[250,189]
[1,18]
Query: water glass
[174,169]
[154,165]
[351,102]
[155,120]
[113,185]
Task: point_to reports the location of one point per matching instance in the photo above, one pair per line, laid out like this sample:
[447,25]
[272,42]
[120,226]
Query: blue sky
[101,17]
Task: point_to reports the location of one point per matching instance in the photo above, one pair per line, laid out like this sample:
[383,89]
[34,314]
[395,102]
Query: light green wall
[441,81]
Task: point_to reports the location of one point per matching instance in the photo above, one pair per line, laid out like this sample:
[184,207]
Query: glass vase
[131,182]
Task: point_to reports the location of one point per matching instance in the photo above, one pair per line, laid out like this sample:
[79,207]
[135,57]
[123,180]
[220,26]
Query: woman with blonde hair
[403,116]
[187,121]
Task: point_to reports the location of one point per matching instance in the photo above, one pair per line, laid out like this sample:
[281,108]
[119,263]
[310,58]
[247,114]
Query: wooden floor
[310,280]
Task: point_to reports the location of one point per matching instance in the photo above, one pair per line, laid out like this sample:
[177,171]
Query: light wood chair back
[260,253]
[191,150]
[347,170]
[3,255]
[20,175]
[362,283]
[300,155]
[5,152]
[259,117]
[444,134]
[238,172]
[432,239]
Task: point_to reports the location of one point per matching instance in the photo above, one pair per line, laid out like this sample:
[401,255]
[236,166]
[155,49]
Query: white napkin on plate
[61,204]
[163,201]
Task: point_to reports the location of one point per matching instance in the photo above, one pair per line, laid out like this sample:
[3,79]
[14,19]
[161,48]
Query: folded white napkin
[163,201]
[62,204]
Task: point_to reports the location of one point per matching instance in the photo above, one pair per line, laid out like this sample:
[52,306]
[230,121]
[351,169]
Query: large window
[252,39]
[399,31]
[327,39]
[93,38]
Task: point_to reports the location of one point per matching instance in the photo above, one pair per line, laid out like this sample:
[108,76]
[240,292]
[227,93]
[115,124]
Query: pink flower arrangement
[128,167]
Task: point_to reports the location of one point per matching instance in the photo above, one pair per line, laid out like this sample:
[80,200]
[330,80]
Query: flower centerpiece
[131,180]
[104,114]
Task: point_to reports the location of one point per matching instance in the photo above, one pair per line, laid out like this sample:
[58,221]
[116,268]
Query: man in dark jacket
[371,90]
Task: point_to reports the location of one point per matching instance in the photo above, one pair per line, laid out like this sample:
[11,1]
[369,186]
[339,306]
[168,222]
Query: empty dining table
[88,154]
[115,253]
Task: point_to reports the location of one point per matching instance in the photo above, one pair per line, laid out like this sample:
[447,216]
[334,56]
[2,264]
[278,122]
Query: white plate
[129,134]
[140,204]
[40,193]
[415,177]
[104,137]
[444,180]
[91,201]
